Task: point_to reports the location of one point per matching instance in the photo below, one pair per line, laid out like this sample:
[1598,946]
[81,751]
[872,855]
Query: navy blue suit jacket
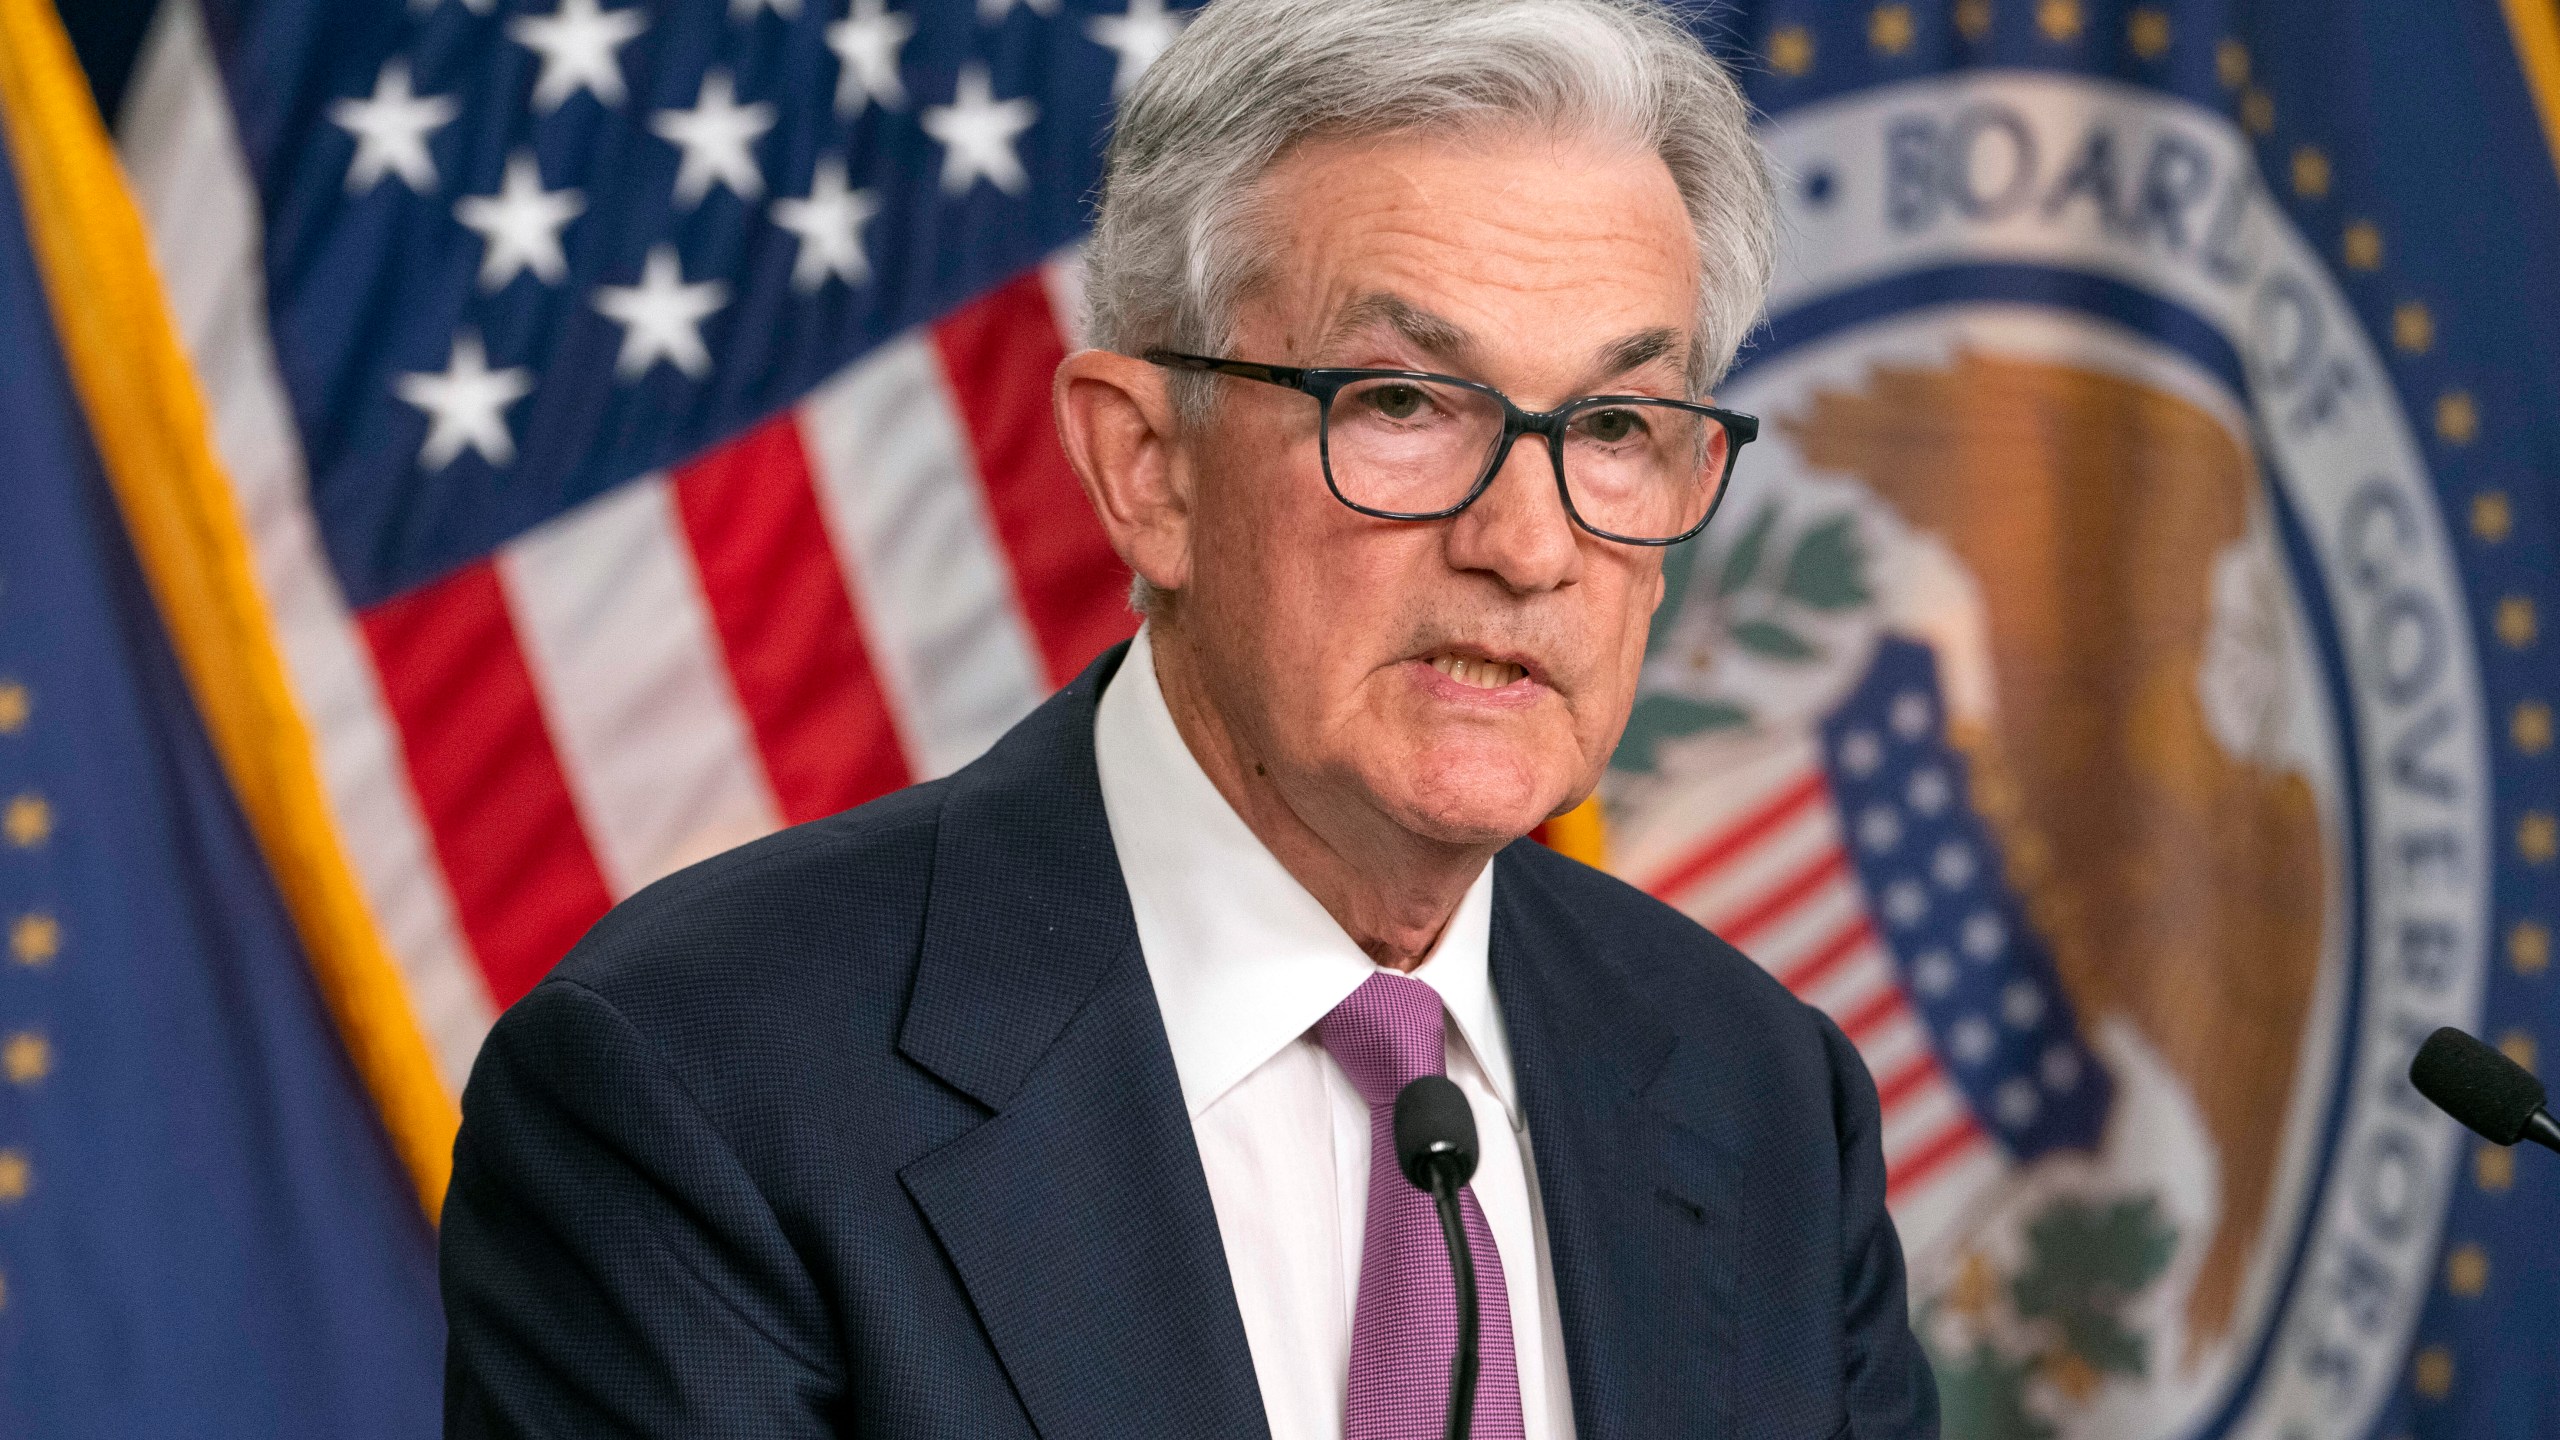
[871,1129]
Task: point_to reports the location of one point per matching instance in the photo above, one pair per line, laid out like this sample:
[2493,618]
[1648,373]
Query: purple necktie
[1404,1329]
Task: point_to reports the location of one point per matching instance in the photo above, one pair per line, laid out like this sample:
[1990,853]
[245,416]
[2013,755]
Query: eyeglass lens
[1646,471]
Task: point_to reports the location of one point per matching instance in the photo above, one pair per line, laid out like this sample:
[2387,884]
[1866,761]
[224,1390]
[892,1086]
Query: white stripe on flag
[921,557]
[1812,923]
[1855,984]
[1894,1044]
[1737,888]
[1925,1118]
[182,152]
[619,639]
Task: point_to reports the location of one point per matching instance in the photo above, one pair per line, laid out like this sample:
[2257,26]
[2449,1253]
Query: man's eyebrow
[1641,349]
[1429,333]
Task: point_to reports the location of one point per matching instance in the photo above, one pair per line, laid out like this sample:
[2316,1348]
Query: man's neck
[1391,890]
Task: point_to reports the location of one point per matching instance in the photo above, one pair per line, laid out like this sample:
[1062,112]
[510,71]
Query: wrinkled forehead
[1477,252]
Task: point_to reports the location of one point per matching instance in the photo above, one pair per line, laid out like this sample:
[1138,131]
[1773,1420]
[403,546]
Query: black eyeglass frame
[1324,383]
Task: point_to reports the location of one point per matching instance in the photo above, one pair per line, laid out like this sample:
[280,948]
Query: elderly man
[1053,1098]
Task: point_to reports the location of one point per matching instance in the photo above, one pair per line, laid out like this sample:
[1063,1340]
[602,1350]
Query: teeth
[1480,674]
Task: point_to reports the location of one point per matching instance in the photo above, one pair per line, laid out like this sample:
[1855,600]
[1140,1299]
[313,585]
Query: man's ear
[1116,420]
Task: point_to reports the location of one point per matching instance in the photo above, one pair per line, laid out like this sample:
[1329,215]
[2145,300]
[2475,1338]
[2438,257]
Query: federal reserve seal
[2076,700]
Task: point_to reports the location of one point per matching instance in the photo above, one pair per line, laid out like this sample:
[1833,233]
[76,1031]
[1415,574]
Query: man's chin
[1472,803]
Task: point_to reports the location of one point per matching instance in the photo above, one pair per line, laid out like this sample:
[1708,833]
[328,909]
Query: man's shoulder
[1704,989]
[826,911]
[1664,954]
[778,975]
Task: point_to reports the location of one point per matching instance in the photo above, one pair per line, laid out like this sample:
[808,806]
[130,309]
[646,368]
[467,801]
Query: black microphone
[1436,1149]
[2498,1098]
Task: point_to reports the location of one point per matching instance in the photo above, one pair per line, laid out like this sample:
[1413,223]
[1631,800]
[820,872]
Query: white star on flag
[866,43]
[991,11]
[466,405]
[577,44]
[746,9]
[476,7]
[715,135]
[829,224]
[1137,37]
[662,316]
[520,224]
[391,129]
[977,132]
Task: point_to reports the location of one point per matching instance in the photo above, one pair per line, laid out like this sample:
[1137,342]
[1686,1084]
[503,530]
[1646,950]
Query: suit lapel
[1638,1205]
[1077,1216]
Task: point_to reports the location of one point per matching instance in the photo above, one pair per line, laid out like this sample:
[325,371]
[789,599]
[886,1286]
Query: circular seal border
[2145,210]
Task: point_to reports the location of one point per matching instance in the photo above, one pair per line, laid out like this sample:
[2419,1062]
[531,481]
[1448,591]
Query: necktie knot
[1386,1035]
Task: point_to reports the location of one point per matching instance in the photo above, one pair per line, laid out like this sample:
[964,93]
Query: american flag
[640,414]
[1852,864]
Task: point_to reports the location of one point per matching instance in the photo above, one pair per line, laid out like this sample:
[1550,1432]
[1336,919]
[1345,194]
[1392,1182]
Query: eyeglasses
[1408,445]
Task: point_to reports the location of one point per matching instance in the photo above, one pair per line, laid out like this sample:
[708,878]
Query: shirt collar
[1243,959]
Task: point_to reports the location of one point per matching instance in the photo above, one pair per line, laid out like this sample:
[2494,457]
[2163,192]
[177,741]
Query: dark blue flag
[202,1228]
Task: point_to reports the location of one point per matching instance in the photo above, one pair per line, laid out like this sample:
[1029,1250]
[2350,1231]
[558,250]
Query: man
[1052,1098]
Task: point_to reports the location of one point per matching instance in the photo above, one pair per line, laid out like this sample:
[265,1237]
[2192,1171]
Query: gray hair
[1172,249]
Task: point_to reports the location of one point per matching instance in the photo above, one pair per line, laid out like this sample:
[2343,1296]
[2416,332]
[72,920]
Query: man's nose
[1518,531]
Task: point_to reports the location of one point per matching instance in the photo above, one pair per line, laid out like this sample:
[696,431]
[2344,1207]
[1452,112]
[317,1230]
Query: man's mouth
[1477,672]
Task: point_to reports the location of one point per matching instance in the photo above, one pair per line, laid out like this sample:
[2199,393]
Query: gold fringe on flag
[148,423]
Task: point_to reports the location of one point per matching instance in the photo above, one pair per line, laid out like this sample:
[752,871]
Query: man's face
[1466,677]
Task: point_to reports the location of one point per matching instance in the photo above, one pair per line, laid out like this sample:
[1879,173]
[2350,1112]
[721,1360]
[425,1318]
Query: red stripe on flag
[777,597]
[1872,1012]
[1920,1164]
[1732,842]
[1817,967]
[524,880]
[998,353]
[1791,892]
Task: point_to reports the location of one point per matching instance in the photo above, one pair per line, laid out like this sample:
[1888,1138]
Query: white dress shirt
[1244,962]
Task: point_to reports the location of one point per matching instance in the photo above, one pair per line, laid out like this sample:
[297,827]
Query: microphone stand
[1435,1137]
[1462,1366]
